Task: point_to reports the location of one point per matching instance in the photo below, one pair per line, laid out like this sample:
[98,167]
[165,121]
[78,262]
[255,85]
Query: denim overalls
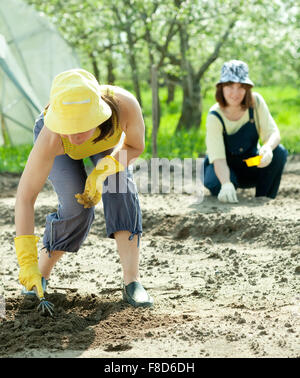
[67,228]
[242,145]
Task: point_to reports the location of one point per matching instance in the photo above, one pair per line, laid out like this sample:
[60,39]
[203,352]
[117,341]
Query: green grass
[284,105]
[170,144]
[13,159]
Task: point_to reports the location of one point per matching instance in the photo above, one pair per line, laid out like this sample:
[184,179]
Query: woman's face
[79,138]
[234,94]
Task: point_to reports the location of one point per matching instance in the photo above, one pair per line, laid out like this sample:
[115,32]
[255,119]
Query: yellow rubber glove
[94,183]
[27,255]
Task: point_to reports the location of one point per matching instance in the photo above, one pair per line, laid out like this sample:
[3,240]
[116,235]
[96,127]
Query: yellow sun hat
[76,105]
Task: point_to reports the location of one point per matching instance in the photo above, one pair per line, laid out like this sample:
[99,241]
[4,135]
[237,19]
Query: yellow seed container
[253,161]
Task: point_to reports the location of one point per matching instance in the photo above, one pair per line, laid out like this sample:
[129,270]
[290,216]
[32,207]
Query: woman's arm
[268,130]
[266,151]
[222,170]
[36,171]
[133,126]
[227,192]
[273,140]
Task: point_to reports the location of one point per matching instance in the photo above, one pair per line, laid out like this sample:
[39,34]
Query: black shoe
[136,295]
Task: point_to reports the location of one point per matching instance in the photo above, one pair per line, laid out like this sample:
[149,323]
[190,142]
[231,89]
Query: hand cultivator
[29,275]
[44,306]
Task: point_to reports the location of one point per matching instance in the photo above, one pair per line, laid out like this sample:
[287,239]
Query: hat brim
[246,81]
[89,120]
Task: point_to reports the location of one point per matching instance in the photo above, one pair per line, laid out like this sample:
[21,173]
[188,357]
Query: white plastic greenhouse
[32,52]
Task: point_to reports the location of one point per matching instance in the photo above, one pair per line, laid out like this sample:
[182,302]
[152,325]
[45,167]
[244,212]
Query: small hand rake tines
[45,306]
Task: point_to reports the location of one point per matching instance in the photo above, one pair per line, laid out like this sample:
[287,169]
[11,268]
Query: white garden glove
[227,193]
[267,155]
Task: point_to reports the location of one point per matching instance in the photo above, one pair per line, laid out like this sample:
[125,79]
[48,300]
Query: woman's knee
[280,154]
[211,181]
[67,233]
[213,185]
[121,206]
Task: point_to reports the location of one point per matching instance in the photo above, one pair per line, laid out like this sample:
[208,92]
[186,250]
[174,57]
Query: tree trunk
[110,71]
[95,67]
[155,109]
[134,67]
[171,91]
[191,111]
[191,102]
[126,26]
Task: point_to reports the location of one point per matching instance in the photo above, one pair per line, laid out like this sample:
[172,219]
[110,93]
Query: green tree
[186,40]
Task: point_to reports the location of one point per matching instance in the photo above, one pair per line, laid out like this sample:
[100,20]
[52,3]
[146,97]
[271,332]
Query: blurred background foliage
[187,41]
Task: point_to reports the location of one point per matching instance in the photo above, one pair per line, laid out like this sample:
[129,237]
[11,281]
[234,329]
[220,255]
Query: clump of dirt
[79,322]
[236,228]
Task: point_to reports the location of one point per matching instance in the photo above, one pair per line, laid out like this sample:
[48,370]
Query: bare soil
[224,278]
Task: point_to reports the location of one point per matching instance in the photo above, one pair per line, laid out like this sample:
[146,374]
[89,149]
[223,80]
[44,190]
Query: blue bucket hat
[235,71]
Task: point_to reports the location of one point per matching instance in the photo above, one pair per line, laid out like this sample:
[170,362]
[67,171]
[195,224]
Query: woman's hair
[107,128]
[247,102]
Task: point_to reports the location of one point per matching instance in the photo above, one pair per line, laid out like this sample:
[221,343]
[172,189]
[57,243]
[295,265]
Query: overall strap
[220,118]
[251,115]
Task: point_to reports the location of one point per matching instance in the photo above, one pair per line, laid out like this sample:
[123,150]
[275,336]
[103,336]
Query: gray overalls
[67,228]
